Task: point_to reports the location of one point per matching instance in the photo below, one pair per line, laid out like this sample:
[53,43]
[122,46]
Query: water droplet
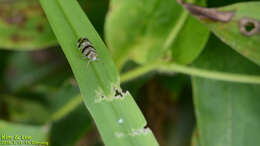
[120,121]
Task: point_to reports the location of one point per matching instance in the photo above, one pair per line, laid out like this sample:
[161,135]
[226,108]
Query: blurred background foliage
[39,97]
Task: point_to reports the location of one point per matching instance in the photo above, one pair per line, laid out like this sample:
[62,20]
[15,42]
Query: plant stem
[176,68]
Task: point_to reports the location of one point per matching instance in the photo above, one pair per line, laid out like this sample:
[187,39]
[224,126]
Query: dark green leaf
[237,25]
[227,113]
[148,30]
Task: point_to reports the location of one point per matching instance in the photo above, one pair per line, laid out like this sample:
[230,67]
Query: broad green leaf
[238,32]
[227,112]
[147,30]
[23,26]
[14,134]
[118,118]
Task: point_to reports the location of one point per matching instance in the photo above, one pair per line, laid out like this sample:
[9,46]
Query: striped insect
[87,49]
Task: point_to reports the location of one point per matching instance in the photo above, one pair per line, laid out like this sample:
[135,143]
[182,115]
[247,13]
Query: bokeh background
[37,85]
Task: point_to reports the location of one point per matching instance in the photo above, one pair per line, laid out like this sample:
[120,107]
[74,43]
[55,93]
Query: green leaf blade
[98,81]
[227,112]
[231,34]
[161,28]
